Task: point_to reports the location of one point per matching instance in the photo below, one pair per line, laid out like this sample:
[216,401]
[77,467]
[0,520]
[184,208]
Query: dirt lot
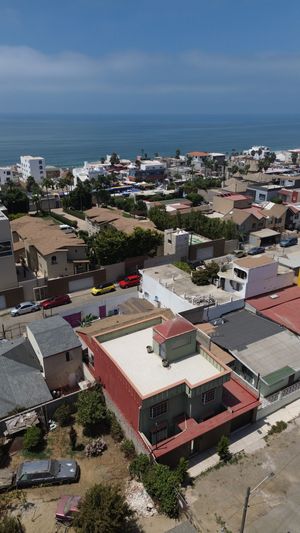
[217,497]
[111,467]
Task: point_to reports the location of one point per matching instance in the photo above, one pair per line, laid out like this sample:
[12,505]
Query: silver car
[46,472]
[25,307]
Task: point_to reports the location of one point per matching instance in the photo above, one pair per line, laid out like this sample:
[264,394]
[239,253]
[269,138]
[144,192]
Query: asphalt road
[79,299]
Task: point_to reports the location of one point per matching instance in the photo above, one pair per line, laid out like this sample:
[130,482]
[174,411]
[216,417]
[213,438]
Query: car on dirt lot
[24,308]
[55,301]
[66,509]
[46,472]
[130,281]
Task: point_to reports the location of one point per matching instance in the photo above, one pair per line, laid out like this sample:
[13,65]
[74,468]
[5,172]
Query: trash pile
[139,500]
[95,447]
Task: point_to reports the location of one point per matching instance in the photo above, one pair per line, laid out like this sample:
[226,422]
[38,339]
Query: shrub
[73,437]
[223,449]
[64,220]
[32,438]
[162,484]
[95,447]
[115,428]
[181,470]
[104,509]
[62,415]
[128,449]
[139,466]
[11,524]
[278,427]
[91,409]
[75,213]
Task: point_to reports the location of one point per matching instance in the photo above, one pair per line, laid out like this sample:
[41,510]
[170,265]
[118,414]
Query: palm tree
[48,183]
[36,197]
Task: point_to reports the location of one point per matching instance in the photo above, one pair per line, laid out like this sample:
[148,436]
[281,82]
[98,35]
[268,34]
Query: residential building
[8,274]
[49,251]
[291,196]
[246,220]
[99,218]
[265,354]
[89,171]
[168,286]
[275,216]
[258,152]
[224,202]
[5,175]
[22,384]
[263,193]
[184,245]
[292,217]
[58,350]
[264,237]
[280,306]
[254,275]
[175,395]
[198,158]
[32,166]
[292,181]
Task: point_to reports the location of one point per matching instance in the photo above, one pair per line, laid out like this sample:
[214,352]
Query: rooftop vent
[274,296]
[165,363]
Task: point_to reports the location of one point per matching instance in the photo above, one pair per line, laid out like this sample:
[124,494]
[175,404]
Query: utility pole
[250,491]
[245,509]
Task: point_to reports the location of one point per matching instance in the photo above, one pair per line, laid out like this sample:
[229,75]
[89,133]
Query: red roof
[238,399]
[283,309]
[174,327]
[266,301]
[198,154]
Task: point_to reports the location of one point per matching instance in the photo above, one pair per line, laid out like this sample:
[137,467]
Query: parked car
[66,509]
[130,281]
[289,241]
[239,253]
[103,288]
[46,472]
[25,307]
[256,250]
[55,301]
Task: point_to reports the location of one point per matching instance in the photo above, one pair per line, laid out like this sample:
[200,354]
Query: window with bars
[208,396]
[158,409]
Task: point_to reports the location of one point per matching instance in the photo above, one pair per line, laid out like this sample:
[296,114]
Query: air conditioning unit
[149,349]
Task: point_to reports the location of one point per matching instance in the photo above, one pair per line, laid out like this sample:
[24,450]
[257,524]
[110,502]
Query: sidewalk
[248,439]
[82,225]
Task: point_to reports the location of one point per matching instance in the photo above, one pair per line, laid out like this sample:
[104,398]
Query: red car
[67,507]
[130,281]
[55,301]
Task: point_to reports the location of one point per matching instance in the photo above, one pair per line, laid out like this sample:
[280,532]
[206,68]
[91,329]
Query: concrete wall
[11,297]
[275,406]
[61,373]
[161,296]
[61,285]
[179,347]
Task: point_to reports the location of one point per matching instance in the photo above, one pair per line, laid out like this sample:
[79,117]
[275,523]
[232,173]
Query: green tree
[294,157]
[139,466]
[33,438]
[11,524]
[195,198]
[128,449]
[15,200]
[223,449]
[30,182]
[80,198]
[115,428]
[36,196]
[177,153]
[114,159]
[163,485]
[104,510]
[161,218]
[91,410]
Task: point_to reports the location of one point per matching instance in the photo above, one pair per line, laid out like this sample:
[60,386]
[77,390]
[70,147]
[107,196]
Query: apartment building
[32,166]
[8,274]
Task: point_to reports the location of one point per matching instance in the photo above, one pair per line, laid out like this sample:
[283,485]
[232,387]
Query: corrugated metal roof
[279,375]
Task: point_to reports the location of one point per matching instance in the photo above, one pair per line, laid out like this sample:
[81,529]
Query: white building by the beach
[32,166]
[258,152]
[89,171]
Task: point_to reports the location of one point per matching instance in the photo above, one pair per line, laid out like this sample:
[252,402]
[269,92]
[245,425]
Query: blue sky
[142,56]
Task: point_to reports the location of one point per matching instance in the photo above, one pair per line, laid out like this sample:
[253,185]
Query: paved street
[79,299]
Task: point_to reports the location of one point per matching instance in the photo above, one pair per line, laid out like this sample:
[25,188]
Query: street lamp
[250,491]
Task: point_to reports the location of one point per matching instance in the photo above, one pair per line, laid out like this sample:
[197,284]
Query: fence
[278,400]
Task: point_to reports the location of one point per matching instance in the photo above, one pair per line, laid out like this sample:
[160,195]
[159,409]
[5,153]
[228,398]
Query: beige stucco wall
[59,372]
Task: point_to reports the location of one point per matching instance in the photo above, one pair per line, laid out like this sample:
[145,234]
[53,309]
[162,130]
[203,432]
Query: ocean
[69,140]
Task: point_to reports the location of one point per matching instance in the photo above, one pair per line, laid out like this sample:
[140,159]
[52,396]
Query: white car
[25,307]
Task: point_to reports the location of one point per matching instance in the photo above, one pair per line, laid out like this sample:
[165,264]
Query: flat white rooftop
[145,371]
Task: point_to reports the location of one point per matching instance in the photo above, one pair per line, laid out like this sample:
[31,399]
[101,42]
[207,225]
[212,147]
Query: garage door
[2,302]
[80,284]
[74,320]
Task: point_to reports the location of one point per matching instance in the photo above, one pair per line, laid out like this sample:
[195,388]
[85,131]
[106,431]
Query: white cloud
[24,70]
